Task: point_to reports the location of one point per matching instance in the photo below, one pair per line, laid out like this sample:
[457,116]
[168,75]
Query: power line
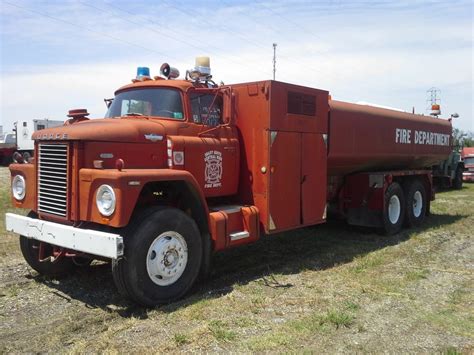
[231,58]
[246,38]
[121,40]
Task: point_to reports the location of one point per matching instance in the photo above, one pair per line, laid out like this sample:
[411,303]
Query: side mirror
[108,102]
[454,115]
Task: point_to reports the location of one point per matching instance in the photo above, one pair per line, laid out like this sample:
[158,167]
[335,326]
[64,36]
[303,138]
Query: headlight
[19,187]
[105,200]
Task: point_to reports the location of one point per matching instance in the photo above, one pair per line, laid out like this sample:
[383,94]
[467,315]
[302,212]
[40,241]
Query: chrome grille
[52,179]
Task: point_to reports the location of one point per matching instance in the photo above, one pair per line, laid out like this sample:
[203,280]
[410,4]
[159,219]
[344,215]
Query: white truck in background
[24,129]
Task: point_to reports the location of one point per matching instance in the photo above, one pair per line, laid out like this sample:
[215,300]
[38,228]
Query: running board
[239,235]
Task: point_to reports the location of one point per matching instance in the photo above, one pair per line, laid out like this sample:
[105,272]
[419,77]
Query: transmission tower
[434,101]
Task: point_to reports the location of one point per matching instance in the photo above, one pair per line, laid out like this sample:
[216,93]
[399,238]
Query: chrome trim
[53,179]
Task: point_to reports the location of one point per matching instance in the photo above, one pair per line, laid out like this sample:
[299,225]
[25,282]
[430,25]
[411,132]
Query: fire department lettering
[405,136]
[213,170]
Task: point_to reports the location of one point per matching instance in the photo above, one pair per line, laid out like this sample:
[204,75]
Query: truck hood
[133,129]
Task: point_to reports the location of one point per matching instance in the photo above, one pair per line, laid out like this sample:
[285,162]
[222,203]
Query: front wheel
[50,265]
[394,209]
[163,255]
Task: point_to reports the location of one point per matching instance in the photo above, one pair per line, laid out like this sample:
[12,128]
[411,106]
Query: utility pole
[274,59]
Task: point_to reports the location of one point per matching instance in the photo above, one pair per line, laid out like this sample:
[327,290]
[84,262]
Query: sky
[65,54]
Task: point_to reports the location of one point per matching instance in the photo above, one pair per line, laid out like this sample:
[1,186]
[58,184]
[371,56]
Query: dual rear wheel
[404,206]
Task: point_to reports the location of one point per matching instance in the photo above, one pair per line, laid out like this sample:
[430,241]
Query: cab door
[212,150]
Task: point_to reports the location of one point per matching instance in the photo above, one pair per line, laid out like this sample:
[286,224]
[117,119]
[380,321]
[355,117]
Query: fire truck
[468,159]
[180,169]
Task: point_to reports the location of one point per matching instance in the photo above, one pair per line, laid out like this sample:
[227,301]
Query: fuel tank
[368,138]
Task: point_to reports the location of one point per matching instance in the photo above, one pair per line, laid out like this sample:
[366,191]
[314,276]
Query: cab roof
[179,84]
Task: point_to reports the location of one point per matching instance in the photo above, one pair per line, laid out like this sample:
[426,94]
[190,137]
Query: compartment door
[285,180]
[314,178]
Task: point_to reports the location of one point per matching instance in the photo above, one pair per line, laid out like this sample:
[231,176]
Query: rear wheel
[457,182]
[415,203]
[394,209]
[163,255]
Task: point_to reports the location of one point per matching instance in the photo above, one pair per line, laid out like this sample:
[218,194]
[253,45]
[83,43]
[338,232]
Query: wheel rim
[417,204]
[167,258]
[394,209]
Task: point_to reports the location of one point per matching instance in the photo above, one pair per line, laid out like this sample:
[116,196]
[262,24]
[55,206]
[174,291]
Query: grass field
[328,288]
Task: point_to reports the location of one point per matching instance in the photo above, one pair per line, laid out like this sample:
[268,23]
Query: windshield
[8,139]
[469,160]
[161,102]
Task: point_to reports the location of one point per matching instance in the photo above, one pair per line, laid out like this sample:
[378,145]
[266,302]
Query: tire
[30,250]
[415,203]
[163,256]
[394,209]
[457,182]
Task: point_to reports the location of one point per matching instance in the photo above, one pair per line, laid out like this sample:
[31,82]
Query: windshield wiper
[133,114]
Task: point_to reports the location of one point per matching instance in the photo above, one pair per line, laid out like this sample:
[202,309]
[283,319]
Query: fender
[28,172]
[127,185]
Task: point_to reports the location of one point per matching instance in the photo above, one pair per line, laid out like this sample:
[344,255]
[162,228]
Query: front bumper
[88,241]
[468,176]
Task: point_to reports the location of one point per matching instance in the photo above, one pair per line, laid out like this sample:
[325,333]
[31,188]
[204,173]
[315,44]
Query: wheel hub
[417,204]
[167,258]
[394,209]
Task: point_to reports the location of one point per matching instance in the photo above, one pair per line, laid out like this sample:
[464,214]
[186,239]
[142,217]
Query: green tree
[462,139]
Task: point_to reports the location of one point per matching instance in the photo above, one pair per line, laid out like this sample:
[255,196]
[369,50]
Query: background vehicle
[24,130]
[7,148]
[468,157]
[449,173]
[179,169]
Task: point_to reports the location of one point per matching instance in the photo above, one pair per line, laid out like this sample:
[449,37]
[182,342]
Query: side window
[206,109]
[40,127]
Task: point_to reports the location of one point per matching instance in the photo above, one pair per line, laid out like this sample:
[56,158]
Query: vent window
[301,104]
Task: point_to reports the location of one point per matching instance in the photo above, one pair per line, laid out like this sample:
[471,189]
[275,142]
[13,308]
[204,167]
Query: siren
[168,71]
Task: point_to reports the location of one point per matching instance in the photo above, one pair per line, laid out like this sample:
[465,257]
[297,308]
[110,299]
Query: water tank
[366,138]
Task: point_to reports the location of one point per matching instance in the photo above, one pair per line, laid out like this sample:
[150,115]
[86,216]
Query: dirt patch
[327,287]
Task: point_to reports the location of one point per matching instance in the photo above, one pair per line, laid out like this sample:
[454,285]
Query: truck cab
[153,180]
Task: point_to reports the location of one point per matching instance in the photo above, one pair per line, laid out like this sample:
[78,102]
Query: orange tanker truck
[180,169]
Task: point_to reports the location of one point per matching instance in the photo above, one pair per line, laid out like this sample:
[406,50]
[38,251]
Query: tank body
[367,138]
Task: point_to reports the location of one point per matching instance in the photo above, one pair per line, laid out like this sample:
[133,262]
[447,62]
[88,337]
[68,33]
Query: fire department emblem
[213,170]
